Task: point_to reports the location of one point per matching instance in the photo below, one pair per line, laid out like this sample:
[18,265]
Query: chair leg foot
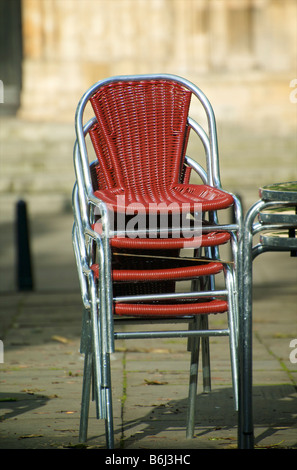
[109,431]
[107,390]
[246,441]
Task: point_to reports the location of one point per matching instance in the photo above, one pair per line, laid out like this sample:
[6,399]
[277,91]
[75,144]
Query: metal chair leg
[109,430]
[195,344]
[233,333]
[86,349]
[85,402]
[234,364]
[205,353]
[207,283]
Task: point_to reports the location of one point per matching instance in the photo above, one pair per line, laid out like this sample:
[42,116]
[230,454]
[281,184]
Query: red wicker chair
[141,174]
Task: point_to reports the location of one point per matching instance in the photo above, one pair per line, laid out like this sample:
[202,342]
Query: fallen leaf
[76,446]
[281,336]
[60,339]
[30,436]
[222,439]
[159,350]
[154,382]
[31,391]
[66,412]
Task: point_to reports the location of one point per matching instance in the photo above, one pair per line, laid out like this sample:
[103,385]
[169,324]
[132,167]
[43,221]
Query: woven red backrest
[141,134]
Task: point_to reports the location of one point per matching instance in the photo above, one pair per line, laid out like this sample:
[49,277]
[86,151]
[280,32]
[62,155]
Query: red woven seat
[209,239]
[172,198]
[184,272]
[205,240]
[160,310]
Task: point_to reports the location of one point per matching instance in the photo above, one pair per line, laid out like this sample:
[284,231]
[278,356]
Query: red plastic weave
[184,307]
[140,143]
[185,272]
[213,306]
[205,240]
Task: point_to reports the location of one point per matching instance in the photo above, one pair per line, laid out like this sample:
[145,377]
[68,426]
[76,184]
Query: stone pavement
[41,376]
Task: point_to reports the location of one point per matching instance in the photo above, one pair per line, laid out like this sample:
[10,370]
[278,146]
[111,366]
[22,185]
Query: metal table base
[276,211]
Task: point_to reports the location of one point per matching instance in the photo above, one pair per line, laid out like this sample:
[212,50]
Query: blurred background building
[241,52]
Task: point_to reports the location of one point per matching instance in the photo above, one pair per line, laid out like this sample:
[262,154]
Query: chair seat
[184,272]
[176,198]
[205,240]
[183,308]
[209,239]
[167,310]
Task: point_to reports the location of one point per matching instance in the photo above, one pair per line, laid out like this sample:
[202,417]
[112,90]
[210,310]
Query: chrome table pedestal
[276,212]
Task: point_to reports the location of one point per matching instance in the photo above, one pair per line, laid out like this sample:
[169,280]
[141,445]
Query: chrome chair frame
[98,328]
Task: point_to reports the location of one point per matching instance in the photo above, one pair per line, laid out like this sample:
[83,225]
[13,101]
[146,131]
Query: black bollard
[24,265]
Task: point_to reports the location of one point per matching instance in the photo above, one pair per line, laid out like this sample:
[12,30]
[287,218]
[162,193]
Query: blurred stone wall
[242,53]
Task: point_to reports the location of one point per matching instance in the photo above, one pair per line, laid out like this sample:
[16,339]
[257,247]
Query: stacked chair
[146,239]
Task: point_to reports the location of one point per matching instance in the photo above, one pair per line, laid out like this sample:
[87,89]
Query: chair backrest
[141,134]
[141,117]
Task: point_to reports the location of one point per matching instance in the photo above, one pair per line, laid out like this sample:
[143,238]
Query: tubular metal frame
[98,318]
[249,253]
[95,332]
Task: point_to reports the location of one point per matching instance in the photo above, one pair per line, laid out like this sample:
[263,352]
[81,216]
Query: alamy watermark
[1,92]
[293,94]
[1,352]
[293,353]
[156,220]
